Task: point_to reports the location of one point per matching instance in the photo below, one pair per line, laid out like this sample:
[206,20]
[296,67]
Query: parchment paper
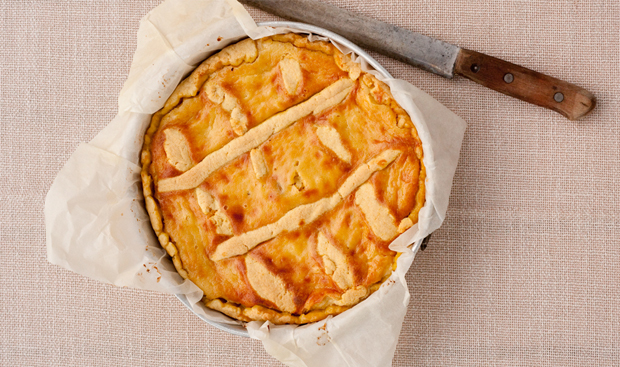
[96,224]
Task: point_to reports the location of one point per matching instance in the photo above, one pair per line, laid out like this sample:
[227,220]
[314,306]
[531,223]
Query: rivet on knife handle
[525,84]
[437,56]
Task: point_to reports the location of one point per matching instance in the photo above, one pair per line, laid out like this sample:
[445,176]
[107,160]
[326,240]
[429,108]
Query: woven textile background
[525,270]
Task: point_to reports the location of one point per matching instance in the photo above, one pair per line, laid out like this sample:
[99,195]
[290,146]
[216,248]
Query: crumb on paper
[151,266]
[324,338]
[389,282]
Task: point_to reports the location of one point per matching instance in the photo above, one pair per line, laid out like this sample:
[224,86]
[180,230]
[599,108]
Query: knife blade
[438,57]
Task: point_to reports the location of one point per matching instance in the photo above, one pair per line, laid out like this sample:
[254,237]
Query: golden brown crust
[276,176]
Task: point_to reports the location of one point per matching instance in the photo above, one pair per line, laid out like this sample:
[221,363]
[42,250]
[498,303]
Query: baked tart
[277,174]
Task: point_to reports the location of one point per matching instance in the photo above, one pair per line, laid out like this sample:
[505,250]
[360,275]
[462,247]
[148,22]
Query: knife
[438,57]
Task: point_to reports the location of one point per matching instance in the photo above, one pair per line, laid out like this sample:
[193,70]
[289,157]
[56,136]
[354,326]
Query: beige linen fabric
[525,270]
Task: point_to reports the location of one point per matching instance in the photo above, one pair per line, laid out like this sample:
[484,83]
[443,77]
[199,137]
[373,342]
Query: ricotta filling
[190,179]
[303,214]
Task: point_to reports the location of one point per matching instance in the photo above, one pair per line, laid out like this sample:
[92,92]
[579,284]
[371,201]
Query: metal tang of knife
[438,57]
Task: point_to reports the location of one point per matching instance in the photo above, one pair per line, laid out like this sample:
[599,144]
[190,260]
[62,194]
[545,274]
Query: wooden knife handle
[530,86]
